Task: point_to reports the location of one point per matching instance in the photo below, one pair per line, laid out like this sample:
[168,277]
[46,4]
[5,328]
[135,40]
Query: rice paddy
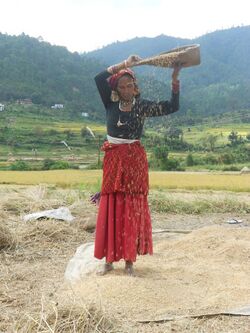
[158,179]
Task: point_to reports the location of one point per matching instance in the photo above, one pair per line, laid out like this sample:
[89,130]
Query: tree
[84,132]
[235,139]
[69,134]
[189,160]
[160,152]
[160,160]
[208,141]
[173,133]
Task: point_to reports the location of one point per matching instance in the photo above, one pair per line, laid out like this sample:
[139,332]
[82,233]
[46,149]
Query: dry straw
[67,319]
[207,269]
[7,239]
[44,232]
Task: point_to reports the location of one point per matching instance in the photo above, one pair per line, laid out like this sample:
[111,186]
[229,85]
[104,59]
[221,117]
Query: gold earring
[114,96]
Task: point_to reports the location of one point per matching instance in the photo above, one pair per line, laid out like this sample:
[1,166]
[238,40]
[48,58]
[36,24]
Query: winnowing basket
[186,56]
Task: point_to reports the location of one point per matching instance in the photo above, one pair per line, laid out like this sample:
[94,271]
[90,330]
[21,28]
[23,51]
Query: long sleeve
[103,87]
[155,109]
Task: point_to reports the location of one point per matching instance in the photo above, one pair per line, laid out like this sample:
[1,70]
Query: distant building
[57,106]
[85,114]
[1,107]
[25,101]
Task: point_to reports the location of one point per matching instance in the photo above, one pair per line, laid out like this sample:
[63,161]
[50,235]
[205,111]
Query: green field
[196,133]
[33,134]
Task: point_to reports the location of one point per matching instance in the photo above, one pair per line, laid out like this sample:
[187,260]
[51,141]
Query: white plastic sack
[61,213]
[83,264]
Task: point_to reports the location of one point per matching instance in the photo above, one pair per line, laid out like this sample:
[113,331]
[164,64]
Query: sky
[86,25]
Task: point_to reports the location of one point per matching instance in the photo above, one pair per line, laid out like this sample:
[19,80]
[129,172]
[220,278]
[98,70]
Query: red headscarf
[113,80]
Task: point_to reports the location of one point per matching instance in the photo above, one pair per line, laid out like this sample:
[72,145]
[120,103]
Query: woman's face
[126,88]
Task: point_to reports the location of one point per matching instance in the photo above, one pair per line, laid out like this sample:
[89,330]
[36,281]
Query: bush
[60,165]
[19,166]
[231,168]
[211,159]
[226,158]
[189,160]
[94,166]
[171,164]
[49,164]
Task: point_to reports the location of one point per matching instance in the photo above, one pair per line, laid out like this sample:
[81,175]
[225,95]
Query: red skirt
[123,228]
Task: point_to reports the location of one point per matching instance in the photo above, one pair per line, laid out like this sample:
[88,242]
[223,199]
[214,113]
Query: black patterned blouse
[129,125]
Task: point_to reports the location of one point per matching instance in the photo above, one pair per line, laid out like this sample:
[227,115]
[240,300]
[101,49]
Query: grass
[200,180]
[158,179]
[200,203]
[198,132]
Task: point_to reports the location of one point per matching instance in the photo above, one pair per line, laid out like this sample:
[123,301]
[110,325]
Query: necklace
[124,104]
[119,123]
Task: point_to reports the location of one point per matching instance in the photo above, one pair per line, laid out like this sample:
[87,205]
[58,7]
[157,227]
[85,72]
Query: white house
[85,114]
[57,106]
[1,107]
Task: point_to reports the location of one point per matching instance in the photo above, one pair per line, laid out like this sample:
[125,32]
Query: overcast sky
[85,25]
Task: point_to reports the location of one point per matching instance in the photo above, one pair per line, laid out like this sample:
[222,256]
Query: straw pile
[7,239]
[67,319]
[52,232]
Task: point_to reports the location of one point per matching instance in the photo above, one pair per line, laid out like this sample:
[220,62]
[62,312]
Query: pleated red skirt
[123,228]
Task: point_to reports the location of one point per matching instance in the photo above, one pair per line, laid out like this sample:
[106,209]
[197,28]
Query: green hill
[220,84]
[48,75]
[31,68]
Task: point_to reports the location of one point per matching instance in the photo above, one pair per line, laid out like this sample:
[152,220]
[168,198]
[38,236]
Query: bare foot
[129,269]
[107,268]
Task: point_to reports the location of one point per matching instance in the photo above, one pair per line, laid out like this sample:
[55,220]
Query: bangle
[125,63]
[114,69]
[176,86]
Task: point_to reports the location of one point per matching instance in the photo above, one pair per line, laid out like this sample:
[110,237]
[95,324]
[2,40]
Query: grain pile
[202,272]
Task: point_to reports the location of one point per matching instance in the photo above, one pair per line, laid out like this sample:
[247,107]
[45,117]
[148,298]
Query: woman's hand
[132,60]
[176,73]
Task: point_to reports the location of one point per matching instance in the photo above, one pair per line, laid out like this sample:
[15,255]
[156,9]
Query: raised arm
[103,86]
[101,78]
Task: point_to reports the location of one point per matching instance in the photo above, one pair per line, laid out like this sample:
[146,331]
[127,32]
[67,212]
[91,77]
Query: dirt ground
[200,268]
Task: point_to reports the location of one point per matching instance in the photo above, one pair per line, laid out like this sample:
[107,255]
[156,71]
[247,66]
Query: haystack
[7,240]
[245,170]
[68,318]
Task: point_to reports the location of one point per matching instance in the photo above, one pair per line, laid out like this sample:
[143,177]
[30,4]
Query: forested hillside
[46,74]
[220,84]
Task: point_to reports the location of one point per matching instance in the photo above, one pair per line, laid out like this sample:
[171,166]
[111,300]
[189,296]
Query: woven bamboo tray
[186,56]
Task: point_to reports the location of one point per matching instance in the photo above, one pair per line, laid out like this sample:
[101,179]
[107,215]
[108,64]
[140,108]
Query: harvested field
[231,181]
[200,266]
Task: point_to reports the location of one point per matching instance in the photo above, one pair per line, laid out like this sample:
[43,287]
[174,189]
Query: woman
[123,228]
